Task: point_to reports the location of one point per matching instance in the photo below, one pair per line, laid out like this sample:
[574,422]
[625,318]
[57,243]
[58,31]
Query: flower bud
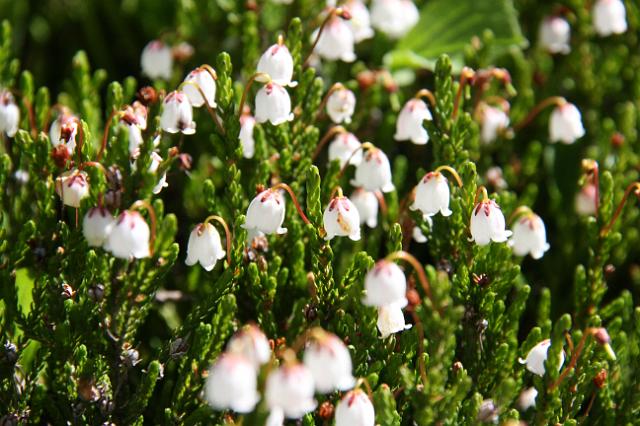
[329,361]
[129,237]
[203,78]
[488,224]
[609,17]
[72,186]
[409,123]
[355,409]
[360,22]
[341,218]
[96,226]
[585,202]
[247,123]
[565,124]
[374,172]
[384,285]
[277,62]
[432,195]
[157,60]
[488,412]
[273,104]
[232,384]
[538,355]
[156,160]
[529,237]
[177,114]
[266,213]
[336,41]
[394,17]
[391,320]
[251,343]
[494,121]
[9,114]
[204,246]
[367,204]
[342,148]
[527,399]
[554,34]
[418,236]
[290,388]
[340,105]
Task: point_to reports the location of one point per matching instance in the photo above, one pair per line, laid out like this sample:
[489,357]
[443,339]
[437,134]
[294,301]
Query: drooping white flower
[251,343]
[290,388]
[266,213]
[493,121]
[394,17]
[529,237]
[135,140]
[585,202]
[527,399]
[554,34]
[277,62]
[432,195]
[355,409]
[367,204]
[72,186]
[340,105]
[177,114]
[96,226]
[609,17]
[565,124]
[140,113]
[67,122]
[343,147]
[329,361]
[409,124]
[129,236]
[273,104]
[247,123]
[360,22]
[157,60]
[385,284]
[204,246]
[9,114]
[374,172]
[232,384]
[156,160]
[341,218]
[488,224]
[204,79]
[336,41]
[391,320]
[538,355]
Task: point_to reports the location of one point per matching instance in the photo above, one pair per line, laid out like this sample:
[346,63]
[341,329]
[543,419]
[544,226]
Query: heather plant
[292,212]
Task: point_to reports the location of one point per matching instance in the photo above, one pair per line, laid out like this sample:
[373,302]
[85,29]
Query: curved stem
[227,232]
[635,187]
[420,328]
[453,173]
[280,39]
[465,75]
[426,93]
[248,86]
[553,100]
[485,195]
[210,70]
[333,12]
[152,215]
[211,111]
[363,381]
[323,103]
[519,212]
[105,133]
[417,266]
[381,202]
[365,145]
[591,167]
[287,188]
[337,189]
[330,133]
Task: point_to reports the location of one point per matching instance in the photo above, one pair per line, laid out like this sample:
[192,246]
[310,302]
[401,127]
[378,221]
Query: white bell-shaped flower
[360,22]
[69,123]
[343,147]
[290,388]
[609,17]
[277,62]
[336,41]
[374,172]
[156,160]
[538,355]
[273,104]
[329,361]
[340,105]
[232,384]
[204,246]
[432,195]
[355,409]
[177,114]
[586,201]
[276,417]
[129,236]
[394,17]
[488,224]
[529,237]
[204,79]
[135,140]
[341,218]
[157,60]
[409,123]
[391,320]
[251,343]
[247,124]
[367,204]
[96,226]
[139,114]
[527,399]
[9,114]
[385,284]
[266,213]
[72,186]
[555,34]
[493,121]
[565,124]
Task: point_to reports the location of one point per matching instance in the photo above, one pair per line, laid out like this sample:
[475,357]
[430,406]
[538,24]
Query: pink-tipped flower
[360,22]
[72,187]
[204,246]
[538,355]
[277,62]
[9,114]
[394,17]
[565,124]
[391,320]
[273,104]
[494,121]
[355,409]
[341,218]
[586,201]
[555,34]
[336,41]
[96,226]
[432,195]
[342,148]
[203,78]
[340,105]
[247,124]
[266,213]
[157,60]
[251,343]
[290,388]
[385,285]
[177,114]
[488,224]
[529,237]
[409,125]
[367,204]
[374,172]
[329,361]
[609,17]
[129,236]
[232,384]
